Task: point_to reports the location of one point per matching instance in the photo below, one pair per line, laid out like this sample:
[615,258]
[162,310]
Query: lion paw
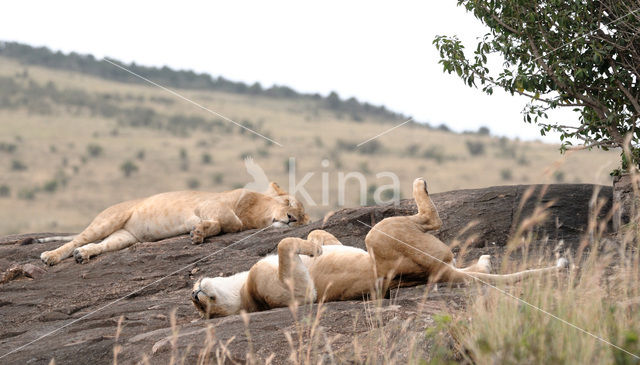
[50,258]
[81,255]
[197,235]
[484,263]
[316,250]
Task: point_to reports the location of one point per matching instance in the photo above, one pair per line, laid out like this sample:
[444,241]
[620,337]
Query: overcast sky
[376,52]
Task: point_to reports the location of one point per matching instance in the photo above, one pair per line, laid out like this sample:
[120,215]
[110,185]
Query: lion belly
[165,215]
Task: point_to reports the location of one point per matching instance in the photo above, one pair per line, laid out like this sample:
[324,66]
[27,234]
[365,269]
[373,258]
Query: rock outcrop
[71,311]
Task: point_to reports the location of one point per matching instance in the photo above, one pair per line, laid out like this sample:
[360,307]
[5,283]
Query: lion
[200,213]
[400,252]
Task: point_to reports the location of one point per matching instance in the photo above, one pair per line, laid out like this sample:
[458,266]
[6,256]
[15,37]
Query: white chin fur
[279,224]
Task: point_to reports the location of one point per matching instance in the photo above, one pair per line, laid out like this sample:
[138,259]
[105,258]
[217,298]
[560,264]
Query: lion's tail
[455,275]
[55,239]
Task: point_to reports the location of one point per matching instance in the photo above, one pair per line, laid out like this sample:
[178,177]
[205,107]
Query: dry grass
[53,147]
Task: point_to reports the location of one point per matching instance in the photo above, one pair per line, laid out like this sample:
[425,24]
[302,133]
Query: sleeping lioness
[203,214]
[399,252]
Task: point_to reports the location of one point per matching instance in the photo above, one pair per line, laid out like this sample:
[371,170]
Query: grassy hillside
[66,135]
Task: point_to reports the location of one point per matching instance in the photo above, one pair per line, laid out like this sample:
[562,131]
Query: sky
[371,50]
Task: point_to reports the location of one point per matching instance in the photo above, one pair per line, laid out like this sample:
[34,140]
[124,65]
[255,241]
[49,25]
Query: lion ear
[274,190]
[305,219]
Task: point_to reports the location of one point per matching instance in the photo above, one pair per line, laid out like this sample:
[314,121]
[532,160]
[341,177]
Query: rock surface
[71,311]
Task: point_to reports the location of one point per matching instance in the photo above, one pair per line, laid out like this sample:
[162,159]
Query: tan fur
[400,252]
[203,214]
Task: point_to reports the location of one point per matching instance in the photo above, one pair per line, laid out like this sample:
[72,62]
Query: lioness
[203,214]
[399,252]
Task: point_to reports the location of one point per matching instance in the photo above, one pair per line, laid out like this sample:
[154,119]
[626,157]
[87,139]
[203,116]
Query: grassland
[65,136]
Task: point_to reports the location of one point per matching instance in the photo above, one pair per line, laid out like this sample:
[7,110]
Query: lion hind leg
[323,238]
[116,241]
[427,216]
[107,222]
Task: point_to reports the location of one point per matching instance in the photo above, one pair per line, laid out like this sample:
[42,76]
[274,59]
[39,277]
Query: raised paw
[316,250]
[562,263]
[420,183]
[484,264]
[50,258]
[197,235]
[81,255]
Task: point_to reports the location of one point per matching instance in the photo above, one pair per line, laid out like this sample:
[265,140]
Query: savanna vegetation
[74,139]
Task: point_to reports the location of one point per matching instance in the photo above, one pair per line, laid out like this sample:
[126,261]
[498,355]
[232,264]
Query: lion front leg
[204,229]
[116,241]
[292,272]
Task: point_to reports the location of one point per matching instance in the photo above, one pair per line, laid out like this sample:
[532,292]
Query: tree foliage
[583,55]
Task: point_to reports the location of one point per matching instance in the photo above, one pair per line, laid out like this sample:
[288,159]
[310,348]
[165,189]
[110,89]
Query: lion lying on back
[203,214]
[399,252]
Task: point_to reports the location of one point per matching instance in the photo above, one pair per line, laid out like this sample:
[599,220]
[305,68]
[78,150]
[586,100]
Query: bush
[17,165]
[140,155]
[364,167]
[412,149]
[522,160]
[8,147]
[341,144]
[26,194]
[370,148]
[184,160]
[193,183]
[475,148]
[50,186]
[5,191]
[484,131]
[506,174]
[287,165]
[558,176]
[94,150]
[128,168]
[206,159]
[217,178]
[434,153]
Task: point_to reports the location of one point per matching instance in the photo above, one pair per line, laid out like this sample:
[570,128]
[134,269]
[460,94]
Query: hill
[78,134]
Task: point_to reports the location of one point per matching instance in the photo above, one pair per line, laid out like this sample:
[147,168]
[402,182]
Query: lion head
[219,296]
[288,211]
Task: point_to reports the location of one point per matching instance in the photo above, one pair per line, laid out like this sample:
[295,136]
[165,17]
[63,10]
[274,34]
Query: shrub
[5,191]
[476,148]
[128,167]
[17,165]
[484,131]
[506,174]
[522,160]
[287,165]
[140,155]
[94,150]
[217,178]
[434,153]
[50,186]
[558,176]
[193,183]
[341,144]
[412,149]
[8,147]
[206,159]
[26,194]
[370,148]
